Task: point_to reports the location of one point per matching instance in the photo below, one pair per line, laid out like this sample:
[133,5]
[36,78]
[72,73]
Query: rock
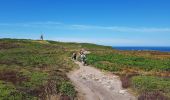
[111,88]
[115,76]
[100,81]
[90,76]
[104,77]
[104,83]
[96,79]
[109,82]
[84,78]
[122,91]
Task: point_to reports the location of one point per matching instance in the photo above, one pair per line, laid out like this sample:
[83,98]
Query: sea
[161,49]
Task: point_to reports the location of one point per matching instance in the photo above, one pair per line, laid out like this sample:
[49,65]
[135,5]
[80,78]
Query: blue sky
[107,22]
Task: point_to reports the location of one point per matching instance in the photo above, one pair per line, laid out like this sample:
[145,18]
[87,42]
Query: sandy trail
[92,84]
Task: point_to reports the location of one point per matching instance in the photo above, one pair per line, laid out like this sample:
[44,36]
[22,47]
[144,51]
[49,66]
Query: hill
[147,73]
[32,69]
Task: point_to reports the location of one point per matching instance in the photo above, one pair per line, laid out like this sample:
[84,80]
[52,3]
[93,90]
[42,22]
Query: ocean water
[161,49]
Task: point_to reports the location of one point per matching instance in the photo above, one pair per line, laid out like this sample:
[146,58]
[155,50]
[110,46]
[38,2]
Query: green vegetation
[155,83]
[36,79]
[130,65]
[67,88]
[150,83]
[114,62]
[9,92]
[31,69]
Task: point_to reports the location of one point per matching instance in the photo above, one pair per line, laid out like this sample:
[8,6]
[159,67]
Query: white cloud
[56,25]
[47,24]
[120,28]
[94,40]
[113,42]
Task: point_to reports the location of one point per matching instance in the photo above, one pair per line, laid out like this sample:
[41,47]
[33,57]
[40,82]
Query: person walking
[74,56]
[83,58]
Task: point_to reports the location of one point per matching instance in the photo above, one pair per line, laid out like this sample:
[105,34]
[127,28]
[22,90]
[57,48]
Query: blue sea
[161,49]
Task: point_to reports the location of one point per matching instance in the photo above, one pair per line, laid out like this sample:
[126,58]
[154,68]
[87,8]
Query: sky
[106,22]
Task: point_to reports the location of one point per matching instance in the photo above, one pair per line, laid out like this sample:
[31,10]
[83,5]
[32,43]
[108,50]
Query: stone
[84,78]
[96,79]
[122,91]
[111,88]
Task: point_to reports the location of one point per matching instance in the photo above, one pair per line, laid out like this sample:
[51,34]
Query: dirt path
[92,84]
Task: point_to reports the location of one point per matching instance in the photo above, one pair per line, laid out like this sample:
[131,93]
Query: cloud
[114,42]
[57,25]
[47,24]
[130,29]
[94,40]
[120,28]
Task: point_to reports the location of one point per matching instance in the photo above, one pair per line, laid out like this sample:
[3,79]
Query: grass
[36,79]
[9,92]
[32,69]
[120,61]
[67,88]
[142,71]
[150,84]
[156,83]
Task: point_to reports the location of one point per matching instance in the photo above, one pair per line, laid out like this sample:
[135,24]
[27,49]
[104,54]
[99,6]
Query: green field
[147,73]
[151,84]
[114,61]
[32,69]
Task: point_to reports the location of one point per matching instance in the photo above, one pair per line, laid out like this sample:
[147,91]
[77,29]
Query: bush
[36,79]
[152,96]
[126,79]
[120,60]
[66,88]
[150,84]
[8,92]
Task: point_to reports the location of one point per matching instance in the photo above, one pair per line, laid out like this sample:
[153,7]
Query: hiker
[74,56]
[83,58]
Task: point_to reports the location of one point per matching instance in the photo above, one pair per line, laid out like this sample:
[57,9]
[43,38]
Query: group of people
[81,56]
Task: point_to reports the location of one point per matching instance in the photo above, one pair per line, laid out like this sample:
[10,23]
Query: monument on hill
[41,37]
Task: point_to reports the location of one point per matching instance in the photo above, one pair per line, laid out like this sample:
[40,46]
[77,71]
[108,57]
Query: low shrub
[152,96]
[147,85]
[120,60]
[9,92]
[126,79]
[66,88]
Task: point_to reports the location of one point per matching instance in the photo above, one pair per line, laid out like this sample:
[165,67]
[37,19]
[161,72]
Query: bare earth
[92,84]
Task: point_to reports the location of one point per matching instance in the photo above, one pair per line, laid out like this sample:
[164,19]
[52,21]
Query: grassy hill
[32,69]
[146,72]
